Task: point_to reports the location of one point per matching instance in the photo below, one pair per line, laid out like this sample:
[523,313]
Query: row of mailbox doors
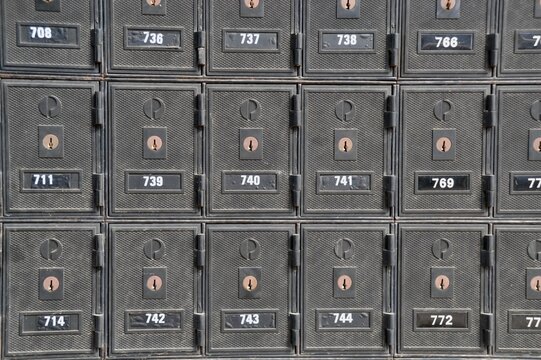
[247,37]
[271,289]
[241,149]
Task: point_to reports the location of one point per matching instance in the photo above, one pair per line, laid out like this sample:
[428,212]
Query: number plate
[155,182]
[235,182]
[524,321]
[50,323]
[249,321]
[153,39]
[344,320]
[251,41]
[153,320]
[444,183]
[528,41]
[339,41]
[329,183]
[525,183]
[45,35]
[441,319]
[50,181]
[445,42]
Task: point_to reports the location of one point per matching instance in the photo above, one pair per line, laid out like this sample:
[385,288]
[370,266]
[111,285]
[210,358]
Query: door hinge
[487,324]
[99,251]
[490,118]
[389,186]
[99,185]
[296,187]
[389,320]
[200,250]
[98,109]
[97,42]
[200,110]
[199,320]
[390,118]
[392,43]
[389,251]
[98,331]
[200,189]
[295,113]
[295,251]
[295,324]
[297,49]
[489,187]
[487,252]
[199,39]
[493,46]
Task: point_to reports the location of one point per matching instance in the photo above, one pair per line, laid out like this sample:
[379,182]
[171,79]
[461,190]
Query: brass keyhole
[250,144]
[249,283]
[444,144]
[154,143]
[252,4]
[448,4]
[154,2]
[50,142]
[535,283]
[344,282]
[442,282]
[345,145]
[537,144]
[51,283]
[154,283]
[348,4]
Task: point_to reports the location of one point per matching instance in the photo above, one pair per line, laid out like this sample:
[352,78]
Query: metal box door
[444,151]
[251,289]
[520,37]
[252,150]
[52,290]
[518,289]
[155,149]
[150,36]
[348,38]
[251,37]
[155,288]
[347,150]
[441,289]
[52,146]
[446,38]
[50,34]
[345,289]
[519,151]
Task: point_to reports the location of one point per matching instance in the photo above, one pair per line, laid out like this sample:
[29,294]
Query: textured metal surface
[319,243]
[276,286]
[175,113]
[416,258]
[23,259]
[128,258]
[418,121]
[320,123]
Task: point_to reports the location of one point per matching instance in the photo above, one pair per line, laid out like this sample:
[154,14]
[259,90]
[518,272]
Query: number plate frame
[273,312]
[155,47]
[441,175]
[32,314]
[153,190]
[72,42]
[466,312]
[445,33]
[256,49]
[26,175]
[513,313]
[519,40]
[338,49]
[128,328]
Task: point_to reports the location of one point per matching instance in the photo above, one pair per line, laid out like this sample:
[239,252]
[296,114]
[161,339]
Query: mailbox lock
[448,4]
[444,144]
[345,144]
[249,283]
[154,2]
[250,143]
[154,283]
[442,282]
[344,282]
[50,142]
[252,4]
[348,4]
[537,144]
[535,283]
[51,283]
[154,143]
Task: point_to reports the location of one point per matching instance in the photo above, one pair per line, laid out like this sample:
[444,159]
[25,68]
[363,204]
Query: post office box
[519,150]
[350,38]
[448,38]
[347,150]
[155,149]
[253,37]
[346,288]
[252,150]
[153,36]
[518,289]
[446,141]
[442,285]
[155,284]
[520,37]
[53,290]
[46,35]
[252,287]
[52,145]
